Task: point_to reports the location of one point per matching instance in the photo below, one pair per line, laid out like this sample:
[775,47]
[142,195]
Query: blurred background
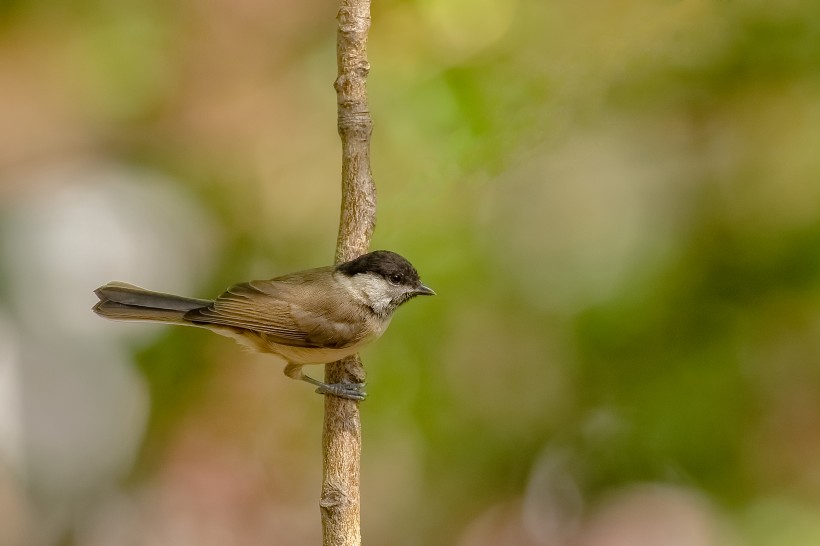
[618,204]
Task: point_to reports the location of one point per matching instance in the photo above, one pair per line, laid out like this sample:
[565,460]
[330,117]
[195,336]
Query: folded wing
[281,311]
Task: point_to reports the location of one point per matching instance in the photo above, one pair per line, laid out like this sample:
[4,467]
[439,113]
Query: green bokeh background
[618,204]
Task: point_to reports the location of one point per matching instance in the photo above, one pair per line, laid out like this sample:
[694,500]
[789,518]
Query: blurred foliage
[617,203]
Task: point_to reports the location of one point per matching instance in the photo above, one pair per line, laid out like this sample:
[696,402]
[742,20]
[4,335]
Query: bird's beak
[422,290]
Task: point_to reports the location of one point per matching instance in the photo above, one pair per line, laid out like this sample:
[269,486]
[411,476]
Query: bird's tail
[122,301]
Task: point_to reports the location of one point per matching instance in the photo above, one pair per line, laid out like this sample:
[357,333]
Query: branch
[341,438]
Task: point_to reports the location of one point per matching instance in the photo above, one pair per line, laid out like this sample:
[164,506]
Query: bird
[315,316]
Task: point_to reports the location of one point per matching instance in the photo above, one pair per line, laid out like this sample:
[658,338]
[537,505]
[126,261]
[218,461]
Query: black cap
[389,265]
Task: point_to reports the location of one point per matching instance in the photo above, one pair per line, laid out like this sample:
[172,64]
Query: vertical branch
[341,437]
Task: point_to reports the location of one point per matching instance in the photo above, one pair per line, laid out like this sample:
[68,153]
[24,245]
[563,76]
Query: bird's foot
[350,391]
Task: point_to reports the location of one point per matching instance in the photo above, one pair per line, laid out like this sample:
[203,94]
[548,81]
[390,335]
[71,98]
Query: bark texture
[341,437]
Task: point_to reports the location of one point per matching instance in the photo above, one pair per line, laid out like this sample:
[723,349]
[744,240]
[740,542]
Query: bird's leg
[351,391]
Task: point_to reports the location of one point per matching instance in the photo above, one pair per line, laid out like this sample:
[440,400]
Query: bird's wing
[282,310]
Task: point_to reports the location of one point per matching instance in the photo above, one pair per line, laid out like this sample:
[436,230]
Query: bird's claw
[350,391]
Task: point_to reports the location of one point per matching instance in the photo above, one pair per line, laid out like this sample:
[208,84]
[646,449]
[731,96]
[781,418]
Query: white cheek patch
[372,291]
[375,290]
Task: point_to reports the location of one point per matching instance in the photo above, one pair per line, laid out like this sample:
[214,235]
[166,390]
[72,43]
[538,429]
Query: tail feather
[123,301]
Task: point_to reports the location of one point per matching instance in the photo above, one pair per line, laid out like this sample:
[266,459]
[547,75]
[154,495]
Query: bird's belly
[309,355]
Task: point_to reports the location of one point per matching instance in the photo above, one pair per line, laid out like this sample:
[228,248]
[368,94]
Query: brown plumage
[309,317]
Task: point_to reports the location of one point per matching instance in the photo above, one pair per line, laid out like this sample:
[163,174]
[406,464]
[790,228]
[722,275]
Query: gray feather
[122,301]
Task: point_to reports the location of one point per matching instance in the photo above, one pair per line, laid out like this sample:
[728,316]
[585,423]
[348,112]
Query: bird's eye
[395,278]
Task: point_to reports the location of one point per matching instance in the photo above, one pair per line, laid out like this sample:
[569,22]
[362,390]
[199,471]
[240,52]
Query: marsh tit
[314,316]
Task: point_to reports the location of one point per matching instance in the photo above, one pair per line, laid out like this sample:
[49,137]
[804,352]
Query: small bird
[314,316]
